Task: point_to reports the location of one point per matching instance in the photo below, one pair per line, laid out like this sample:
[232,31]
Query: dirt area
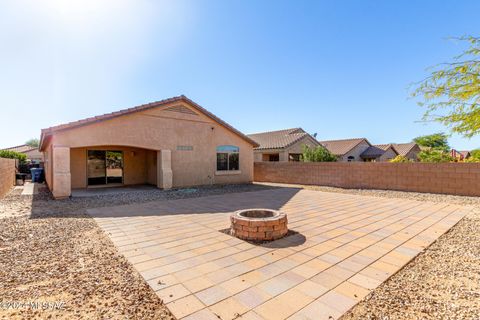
[443,282]
[55,262]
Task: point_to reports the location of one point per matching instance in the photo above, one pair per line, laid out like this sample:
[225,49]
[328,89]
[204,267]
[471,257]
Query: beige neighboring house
[379,153]
[408,150]
[169,143]
[32,153]
[347,149]
[282,145]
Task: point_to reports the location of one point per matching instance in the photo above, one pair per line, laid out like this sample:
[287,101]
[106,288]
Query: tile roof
[340,147]
[22,148]
[375,151]
[404,148]
[278,139]
[142,107]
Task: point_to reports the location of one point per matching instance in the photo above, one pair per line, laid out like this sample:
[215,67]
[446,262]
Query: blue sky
[337,68]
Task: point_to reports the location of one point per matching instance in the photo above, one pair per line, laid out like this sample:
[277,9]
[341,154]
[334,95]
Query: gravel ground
[54,254]
[443,282]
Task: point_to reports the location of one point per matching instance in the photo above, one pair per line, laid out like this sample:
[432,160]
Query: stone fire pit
[258,225]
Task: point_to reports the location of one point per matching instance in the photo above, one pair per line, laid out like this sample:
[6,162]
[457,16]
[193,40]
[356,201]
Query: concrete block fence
[445,178]
[7,175]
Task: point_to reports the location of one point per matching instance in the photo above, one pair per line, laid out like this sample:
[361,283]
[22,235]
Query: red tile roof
[21,149]
[107,116]
[278,139]
[376,151]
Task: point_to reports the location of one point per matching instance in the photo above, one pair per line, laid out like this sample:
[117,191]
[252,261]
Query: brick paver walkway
[346,246]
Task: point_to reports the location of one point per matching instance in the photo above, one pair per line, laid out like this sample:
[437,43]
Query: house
[379,153]
[32,153]
[408,150]
[347,149]
[169,143]
[281,145]
[459,155]
[465,154]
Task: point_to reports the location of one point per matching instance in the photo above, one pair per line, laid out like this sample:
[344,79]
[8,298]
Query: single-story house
[169,143]
[408,150]
[282,145]
[347,149]
[379,153]
[459,155]
[32,153]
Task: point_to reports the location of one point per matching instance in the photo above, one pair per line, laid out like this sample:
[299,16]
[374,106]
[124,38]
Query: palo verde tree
[451,93]
[438,141]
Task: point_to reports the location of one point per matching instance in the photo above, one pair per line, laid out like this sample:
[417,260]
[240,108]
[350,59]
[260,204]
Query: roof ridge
[273,131]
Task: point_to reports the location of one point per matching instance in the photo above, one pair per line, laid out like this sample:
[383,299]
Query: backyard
[126,255]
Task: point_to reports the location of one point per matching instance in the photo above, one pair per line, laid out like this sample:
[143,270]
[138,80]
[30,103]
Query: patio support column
[164,169]
[62,182]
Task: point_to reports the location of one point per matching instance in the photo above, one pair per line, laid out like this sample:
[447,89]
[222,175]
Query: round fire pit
[258,224]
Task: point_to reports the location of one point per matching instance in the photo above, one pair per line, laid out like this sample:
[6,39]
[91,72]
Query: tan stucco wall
[355,152]
[388,155]
[283,153]
[136,167]
[413,154]
[159,129]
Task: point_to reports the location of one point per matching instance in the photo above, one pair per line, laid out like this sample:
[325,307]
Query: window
[350,158]
[228,158]
[274,157]
[296,157]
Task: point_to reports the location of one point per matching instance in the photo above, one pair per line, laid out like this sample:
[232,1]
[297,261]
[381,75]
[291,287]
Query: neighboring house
[32,153]
[169,143]
[459,155]
[347,149]
[281,145]
[408,150]
[465,154]
[379,153]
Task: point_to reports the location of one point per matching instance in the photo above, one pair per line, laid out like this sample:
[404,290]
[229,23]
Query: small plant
[13,155]
[317,154]
[400,159]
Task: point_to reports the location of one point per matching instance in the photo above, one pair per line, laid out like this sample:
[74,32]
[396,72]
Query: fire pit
[258,225]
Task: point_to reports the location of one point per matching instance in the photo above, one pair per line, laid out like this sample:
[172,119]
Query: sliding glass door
[104,167]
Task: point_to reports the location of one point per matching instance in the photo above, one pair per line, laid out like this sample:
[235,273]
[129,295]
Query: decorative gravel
[443,282]
[57,263]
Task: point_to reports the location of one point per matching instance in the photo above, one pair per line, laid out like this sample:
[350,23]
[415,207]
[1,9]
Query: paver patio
[346,246]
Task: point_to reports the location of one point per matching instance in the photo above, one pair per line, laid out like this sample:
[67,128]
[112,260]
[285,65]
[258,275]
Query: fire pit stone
[258,225]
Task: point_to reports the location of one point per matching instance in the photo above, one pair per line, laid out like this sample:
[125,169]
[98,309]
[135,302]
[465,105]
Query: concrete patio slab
[346,246]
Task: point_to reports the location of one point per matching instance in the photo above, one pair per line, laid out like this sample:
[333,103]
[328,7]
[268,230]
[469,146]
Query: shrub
[13,155]
[400,159]
[317,154]
[434,155]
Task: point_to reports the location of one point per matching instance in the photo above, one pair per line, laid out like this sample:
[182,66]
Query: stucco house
[347,149]
[281,145]
[379,153]
[169,143]
[408,150]
[32,153]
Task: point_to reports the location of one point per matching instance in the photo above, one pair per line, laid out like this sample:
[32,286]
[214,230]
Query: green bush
[13,155]
[400,159]
[434,155]
[317,154]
